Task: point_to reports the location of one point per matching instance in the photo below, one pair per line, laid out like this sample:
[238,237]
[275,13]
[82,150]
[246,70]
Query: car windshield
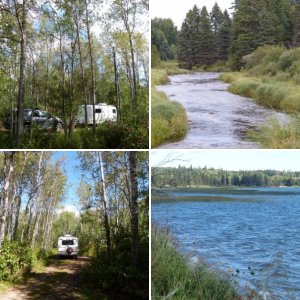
[45,114]
[27,112]
[67,242]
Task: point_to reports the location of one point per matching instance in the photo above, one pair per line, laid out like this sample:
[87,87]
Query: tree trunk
[8,172]
[117,87]
[134,208]
[82,74]
[21,91]
[91,66]
[104,203]
[62,89]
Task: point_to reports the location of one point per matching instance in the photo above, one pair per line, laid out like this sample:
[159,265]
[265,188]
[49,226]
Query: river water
[255,232]
[217,118]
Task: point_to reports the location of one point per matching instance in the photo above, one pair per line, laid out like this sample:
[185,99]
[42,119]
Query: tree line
[59,54]
[207,38]
[195,177]
[112,223]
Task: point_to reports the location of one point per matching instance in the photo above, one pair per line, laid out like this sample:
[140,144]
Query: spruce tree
[159,40]
[282,10]
[216,18]
[296,26]
[223,38]
[267,32]
[188,44]
[206,48]
[246,27]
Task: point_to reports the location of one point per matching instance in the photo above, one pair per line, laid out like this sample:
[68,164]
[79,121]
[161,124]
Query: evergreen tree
[246,34]
[164,36]
[223,38]
[296,26]
[206,54]
[267,32]
[216,18]
[188,44]
[159,40]
[282,11]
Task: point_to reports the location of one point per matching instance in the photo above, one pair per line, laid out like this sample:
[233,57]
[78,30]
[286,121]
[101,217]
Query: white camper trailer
[67,245]
[103,113]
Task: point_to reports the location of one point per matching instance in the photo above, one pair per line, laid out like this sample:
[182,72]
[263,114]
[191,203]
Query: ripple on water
[258,238]
[217,118]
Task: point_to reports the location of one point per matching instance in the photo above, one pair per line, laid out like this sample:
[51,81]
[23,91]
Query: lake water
[217,118]
[255,231]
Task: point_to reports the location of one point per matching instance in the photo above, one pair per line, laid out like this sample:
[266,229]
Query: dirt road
[60,280]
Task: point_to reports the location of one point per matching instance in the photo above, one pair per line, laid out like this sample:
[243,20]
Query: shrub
[291,103]
[115,274]
[296,78]
[263,56]
[14,260]
[287,59]
[282,76]
[294,68]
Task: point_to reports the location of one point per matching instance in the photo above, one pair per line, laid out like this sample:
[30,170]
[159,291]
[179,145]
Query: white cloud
[70,208]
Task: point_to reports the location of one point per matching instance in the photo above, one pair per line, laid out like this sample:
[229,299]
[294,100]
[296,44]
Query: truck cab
[67,246]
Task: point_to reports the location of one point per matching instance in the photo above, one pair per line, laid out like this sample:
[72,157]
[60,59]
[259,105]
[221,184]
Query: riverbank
[169,120]
[271,77]
[174,277]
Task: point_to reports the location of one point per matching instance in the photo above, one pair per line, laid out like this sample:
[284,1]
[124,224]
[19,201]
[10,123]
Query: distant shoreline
[172,194]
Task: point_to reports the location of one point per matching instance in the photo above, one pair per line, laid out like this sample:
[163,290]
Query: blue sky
[229,159]
[71,169]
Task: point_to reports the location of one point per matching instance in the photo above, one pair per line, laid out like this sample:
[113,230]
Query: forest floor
[59,280]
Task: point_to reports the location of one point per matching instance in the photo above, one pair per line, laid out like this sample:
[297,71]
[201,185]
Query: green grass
[278,136]
[169,120]
[173,277]
[271,77]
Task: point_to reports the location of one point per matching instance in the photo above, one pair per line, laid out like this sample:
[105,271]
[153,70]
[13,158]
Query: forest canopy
[195,177]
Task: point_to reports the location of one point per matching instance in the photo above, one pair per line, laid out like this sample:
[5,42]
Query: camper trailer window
[67,242]
[98,110]
[114,111]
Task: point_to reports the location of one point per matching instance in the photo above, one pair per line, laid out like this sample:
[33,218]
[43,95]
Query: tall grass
[271,77]
[279,136]
[173,277]
[169,120]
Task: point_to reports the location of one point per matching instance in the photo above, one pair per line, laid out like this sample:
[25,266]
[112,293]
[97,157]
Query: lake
[217,118]
[253,230]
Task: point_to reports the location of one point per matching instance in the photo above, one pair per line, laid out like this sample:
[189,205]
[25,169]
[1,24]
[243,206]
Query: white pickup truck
[67,245]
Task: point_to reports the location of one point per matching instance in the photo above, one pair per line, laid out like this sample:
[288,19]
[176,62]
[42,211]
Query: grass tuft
[169,120]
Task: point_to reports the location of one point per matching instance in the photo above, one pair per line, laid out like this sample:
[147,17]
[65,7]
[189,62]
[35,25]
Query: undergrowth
[115,276]
[173,277]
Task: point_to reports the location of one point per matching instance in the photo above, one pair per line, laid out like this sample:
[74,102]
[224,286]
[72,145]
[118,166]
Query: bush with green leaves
[15,259]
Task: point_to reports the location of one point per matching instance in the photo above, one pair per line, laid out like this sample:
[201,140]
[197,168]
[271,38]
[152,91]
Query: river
[254,231]
[217,118]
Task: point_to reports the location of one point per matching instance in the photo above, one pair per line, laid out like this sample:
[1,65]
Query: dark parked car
[43,119]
